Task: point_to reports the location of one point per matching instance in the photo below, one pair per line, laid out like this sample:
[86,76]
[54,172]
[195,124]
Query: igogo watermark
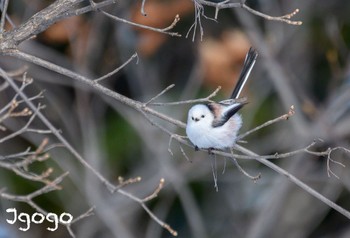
[38,218]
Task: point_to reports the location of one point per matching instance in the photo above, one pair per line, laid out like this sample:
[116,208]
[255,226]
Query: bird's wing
[222,113]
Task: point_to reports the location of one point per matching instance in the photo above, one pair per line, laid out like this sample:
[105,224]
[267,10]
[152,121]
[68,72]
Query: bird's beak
[196,119]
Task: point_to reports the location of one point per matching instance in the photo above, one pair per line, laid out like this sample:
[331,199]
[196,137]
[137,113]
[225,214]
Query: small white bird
[216,125]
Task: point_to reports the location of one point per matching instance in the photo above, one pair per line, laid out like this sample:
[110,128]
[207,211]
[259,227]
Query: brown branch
[123,183]
[135,104]
[163,30]
[227,4]
[36,24]
[150,213]
[155,192]
[295,180]
[192,101]
[29,197]
[24,128]
[118,69]
[199,13]
[270,122]
[159,94]
[285,18]
[91,7]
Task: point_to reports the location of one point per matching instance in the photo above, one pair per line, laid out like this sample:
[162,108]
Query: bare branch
[150,213]
[296,181]
[199,12]
[192,101]
[253,178]
[137,105]
[143,8]
[155,192]
[29,197]
[214,170]
[118,69]
[55,132]
[3,16]
[285,18]
[164,30]
[88,213]
[24,128]
[98,87]
[36,24]
[123,183]
[283,117]
[83,10]
[160,222]
[159,94]
[227,4]
[329,160]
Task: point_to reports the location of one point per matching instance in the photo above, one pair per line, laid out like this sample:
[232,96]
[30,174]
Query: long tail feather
[247,68]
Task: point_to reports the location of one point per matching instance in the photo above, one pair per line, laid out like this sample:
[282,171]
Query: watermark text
[38,218]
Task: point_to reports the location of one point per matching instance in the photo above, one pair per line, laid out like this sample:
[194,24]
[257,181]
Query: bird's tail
[247,68]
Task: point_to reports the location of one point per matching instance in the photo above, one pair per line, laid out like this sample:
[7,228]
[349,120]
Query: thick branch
[36,24]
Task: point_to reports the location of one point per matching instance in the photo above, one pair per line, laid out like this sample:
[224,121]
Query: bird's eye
[192,118]
[203,116]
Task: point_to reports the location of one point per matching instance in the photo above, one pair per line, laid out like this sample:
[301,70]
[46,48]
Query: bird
[215,125]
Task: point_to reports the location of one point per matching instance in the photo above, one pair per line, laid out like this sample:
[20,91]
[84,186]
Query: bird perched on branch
[216,125]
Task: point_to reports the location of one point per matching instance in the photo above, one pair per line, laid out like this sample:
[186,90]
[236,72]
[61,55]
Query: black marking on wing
[214,108]
[247,67]
[221,120]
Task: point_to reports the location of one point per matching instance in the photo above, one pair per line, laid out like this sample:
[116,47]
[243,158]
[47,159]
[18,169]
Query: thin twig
[18,72]
[192,101]
[123,183]
[88,213]
[24,128]
[160,222]
[184,154]
[217,9]
[164,30]
[83,10]
[55,131]
[159,94]
[280,118]
[226,4]
[199,12]
[296,181]
[284,18]
[329,160]
[155,192]
[214,170]
[180,140]
[27,198]
[137,105]
[150,213]
[118,69]
[143,8]
[234,160]
[46,189]
[3,16]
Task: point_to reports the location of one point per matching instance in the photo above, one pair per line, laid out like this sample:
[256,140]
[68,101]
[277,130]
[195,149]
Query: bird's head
[200,115]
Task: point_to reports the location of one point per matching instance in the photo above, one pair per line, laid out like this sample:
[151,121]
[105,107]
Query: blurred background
[306,66]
